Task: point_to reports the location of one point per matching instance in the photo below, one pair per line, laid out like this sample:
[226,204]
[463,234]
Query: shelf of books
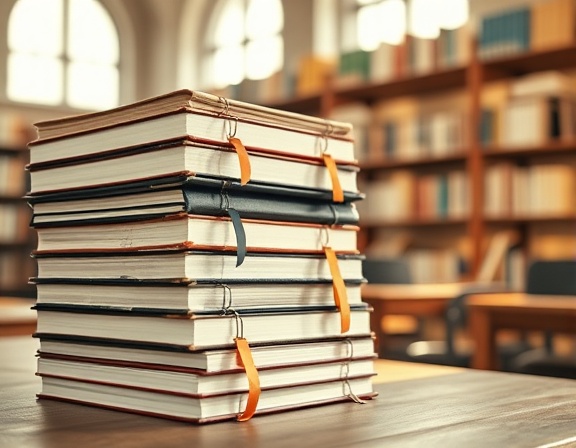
[16,239]
[466,136]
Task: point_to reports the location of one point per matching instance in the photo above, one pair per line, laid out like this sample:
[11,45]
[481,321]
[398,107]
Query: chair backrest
[386,270]
[553,277]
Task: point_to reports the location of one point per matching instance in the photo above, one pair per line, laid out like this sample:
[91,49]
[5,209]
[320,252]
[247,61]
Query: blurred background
[464,111]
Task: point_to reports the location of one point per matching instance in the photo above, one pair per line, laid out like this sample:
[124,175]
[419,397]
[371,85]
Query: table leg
[482,333]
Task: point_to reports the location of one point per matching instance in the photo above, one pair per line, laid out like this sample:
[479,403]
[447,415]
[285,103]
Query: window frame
[126,65]
[208,47]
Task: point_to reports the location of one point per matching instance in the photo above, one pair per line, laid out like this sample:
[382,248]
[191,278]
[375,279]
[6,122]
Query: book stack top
[187,225]
[178,134]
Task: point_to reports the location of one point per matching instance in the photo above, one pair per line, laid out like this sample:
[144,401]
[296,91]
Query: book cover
[195,195]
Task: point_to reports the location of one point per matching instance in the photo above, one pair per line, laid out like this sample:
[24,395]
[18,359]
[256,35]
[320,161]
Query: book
[553,24]
[202,117]
[184,231]
[196,382]
[197,297]
[217,360]
[197,331]
[190,266]
[185,157]
[194,195]
[200,410]
[546,83]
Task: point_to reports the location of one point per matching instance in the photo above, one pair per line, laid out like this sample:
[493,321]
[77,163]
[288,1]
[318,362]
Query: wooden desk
[465,408]
[492,312]
[16,317]
[419,300]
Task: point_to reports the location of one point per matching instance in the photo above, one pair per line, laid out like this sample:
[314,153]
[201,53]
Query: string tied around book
[231,130]
[245,359]
[226,299]
[338,285]
[239,231]
[337,191]
[345,374]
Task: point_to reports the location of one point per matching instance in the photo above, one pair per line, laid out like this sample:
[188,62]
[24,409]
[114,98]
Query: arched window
[246,42]
[63,52]
[389,20]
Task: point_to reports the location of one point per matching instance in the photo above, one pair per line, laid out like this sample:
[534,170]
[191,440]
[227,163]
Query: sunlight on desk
[391,371]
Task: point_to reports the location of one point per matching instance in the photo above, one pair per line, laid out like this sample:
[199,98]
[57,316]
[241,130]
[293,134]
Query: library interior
[247,207]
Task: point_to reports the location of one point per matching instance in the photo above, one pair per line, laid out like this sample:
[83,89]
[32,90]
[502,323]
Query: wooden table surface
[454,408]
[419,300]
[16,316]
[490,313]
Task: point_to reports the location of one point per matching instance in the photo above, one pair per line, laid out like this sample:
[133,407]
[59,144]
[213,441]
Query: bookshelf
[474,159]
[16,239]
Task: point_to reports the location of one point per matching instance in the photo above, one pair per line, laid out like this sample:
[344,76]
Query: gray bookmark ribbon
[236,222]
[240,235]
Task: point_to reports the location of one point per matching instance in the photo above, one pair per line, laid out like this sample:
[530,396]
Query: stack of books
[197,260]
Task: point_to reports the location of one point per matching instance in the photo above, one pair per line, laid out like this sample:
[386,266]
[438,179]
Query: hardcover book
[186,157]
[183,231]
[217,360]
[202,410]
[197,331]
[193,266]
[196,297]
[196,382]
[195,195]
[202,117]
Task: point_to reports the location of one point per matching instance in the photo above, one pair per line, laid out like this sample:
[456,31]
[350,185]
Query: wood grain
[472,409]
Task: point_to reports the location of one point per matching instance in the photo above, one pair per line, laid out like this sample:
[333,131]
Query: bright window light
[36,27]
[44,68]
[263,57]
[393,26]
[35,79]
[369,22]
[452,14]
[423,19]
[92,36]
[244,44]
[380,22]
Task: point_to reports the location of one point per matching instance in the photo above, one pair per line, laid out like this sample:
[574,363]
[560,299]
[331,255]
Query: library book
[186,157]
[184,231]
[202,117]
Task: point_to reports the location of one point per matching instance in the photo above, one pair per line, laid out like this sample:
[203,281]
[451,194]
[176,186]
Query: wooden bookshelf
[473,159]
[413,85]
[17,240]
[380,165]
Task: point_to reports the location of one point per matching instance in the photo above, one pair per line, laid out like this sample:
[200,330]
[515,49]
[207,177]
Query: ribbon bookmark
[245,168]
[243,350]
[240,235]
[337,192]
[339,288]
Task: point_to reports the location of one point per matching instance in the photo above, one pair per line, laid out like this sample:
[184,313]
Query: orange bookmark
[245,168]
[339,288]
[337,192]
[243,350]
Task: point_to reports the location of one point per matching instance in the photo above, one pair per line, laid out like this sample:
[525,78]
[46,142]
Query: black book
[196,195]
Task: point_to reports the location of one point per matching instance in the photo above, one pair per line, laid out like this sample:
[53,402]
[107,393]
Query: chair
[549,277]
[386,270]
[445,352]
